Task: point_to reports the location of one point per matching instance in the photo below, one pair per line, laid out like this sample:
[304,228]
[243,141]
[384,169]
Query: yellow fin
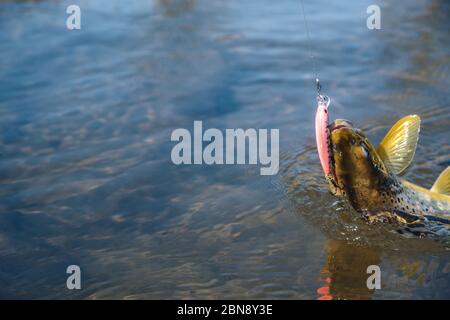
[442,184]
[399,145]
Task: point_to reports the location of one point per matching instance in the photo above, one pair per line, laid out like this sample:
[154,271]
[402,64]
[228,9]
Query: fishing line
[309,41]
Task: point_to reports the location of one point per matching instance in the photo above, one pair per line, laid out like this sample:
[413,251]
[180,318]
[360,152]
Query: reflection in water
[345,271]
[344,274]
[85,170]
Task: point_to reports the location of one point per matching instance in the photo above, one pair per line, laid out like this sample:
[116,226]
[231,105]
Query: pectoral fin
[442,184]
[399,145]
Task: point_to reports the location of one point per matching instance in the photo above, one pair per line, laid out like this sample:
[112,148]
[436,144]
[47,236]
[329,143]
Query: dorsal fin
[442,184]
[399,145]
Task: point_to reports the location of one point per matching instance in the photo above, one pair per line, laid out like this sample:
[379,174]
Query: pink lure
[322,132]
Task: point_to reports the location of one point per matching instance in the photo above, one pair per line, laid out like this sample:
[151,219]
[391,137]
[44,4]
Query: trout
[368,177]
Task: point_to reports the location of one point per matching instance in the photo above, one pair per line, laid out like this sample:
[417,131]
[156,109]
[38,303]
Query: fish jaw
[322,133]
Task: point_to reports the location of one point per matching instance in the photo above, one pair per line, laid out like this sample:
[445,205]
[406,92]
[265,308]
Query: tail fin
[442,184]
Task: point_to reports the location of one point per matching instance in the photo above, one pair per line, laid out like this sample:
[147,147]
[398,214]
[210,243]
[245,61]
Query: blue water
[85,171]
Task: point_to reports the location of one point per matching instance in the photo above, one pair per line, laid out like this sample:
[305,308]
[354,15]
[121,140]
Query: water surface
[85,170]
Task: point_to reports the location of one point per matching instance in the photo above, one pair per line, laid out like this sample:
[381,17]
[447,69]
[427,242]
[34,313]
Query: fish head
[350,162]
[354,161]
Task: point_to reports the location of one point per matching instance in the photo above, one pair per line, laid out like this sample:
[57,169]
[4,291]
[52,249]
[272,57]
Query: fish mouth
[330,167]
[338,124]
